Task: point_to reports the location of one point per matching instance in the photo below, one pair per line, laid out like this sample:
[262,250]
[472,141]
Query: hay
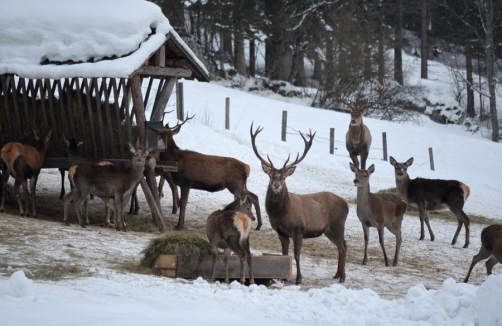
[190,246]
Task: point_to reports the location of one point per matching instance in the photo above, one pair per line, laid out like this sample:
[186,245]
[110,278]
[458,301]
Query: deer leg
[33,187]
[337,238]
[17,190]
[80,197]
[462,219]
[225,262]
[249,259]
[119,212]
[61,194]
[66,203]
[422,213]
[489,264]
[364,157]
[431,234]
[183,204]
[174,191]
[160,188]
[107,212]
[256,203]
[381,239]
[214,255]
[366,231]
[482,254]
[5,180]
[297,244]
[354,159]
[396,230]
[86,210]
[284,244]
[236,246]
[133,209]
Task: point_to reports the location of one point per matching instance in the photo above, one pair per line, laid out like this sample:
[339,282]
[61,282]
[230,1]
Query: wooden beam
[161,103]
[164,72]
[177,63]
[116,93]
[106,92]
[88,94]
[139,109]
[160,57]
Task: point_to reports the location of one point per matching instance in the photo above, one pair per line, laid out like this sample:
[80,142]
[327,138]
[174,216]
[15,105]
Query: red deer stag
[205,172]
[23,162]
[106,181]
[378,210]
[491,247]
[358,137]
[302,216]
[229,229]
[433,195]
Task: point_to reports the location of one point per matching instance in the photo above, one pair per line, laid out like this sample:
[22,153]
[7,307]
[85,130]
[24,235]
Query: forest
[318,43]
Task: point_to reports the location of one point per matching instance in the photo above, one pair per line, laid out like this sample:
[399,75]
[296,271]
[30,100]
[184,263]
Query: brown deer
[229,229]
[358,137]
[205,172]
[378,210]
[491,247]
[433,195]
[106,181]
[24,162]
[302,216]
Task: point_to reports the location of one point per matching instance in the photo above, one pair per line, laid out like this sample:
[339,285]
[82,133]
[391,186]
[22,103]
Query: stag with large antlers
[205,172]
[302,216]
[358,137]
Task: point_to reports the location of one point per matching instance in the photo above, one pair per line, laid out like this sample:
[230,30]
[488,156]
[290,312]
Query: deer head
[362,176]
[356,114]
[278,176]
[401,168]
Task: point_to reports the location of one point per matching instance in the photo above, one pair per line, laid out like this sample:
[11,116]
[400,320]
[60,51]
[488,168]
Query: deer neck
[356,133]
[363,196]
[403,185]
[277,204]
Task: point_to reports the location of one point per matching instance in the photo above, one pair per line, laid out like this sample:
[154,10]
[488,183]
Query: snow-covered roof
[82,38]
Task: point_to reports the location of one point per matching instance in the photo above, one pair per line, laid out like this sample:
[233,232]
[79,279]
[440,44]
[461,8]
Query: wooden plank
[160,57]
[161,103]
[63,163]
[264,267]
[116,93]
[177,63]
[149,88]
[125,107]
[61,106]
[3,80]
[50,98]
[163,72]
[22,84]
[139,109]
[100,116]
[88,93]
[16,107]
[68,89]
[106,92]
[80,108]
[45,120]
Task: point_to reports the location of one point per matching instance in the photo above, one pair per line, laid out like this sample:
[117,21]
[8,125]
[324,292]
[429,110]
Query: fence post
[227,113]
[179,101]
[431,157]
[284,124]
[331,140]
[384,139]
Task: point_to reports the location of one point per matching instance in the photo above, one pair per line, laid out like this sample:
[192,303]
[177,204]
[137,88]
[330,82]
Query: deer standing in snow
[229,229]
[491,247]
[378,210]
[433,195]
[302,216]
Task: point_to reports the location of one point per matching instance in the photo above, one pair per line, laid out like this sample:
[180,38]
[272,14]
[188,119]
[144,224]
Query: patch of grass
[131,266]
[191,246]
[141,224]
[54,272]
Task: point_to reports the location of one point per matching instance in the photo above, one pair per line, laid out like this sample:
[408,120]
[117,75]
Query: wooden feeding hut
[57,72]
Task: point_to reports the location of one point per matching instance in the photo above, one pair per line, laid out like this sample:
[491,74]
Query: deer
[379,211]
[358,137]
[205,172]
[229,229]
[491,247]
[106,181]
[433,195]
[23,162]
[299,217]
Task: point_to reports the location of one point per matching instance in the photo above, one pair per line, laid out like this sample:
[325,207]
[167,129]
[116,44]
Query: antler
[253,142]
[308,144]
[381,91]
[164,114]
[342,89]
[178,125]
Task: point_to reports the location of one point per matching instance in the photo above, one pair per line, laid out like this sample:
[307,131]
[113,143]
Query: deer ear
[392,161]
[409,162]
[353,167]
[265,168]
[148,150]
[66,140]
[371,169]
[48,136]
[37,136]
[131,148]
[243,200]
[290,171]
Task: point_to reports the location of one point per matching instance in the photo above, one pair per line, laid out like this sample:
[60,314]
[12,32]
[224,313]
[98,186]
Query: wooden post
[384,140]
[331,140]
[179,101]
[284,124]
[227,113]
[139,109]
[157,214]
[431,157]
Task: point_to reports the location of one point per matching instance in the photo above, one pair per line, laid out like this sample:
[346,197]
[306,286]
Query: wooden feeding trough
[108,111]
[265,267]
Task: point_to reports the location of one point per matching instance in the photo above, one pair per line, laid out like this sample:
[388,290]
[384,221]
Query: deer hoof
[83,226]
[466,245]
[298,282]
[178,228]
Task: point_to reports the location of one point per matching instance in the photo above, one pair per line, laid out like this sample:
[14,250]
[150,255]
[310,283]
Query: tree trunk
[222,46]
[490,67]
[398,44]
[380,53]
[468,63]
[240,60]
[252,58]
[301,79]
[423,41]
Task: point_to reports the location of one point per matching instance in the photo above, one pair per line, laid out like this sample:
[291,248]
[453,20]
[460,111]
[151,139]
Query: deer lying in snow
[303,216]
[229,229]
[23,162]
[378,210]
[109,181]
[433,195]
[491,247]
[358,137]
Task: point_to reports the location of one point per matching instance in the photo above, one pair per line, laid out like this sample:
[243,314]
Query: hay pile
[190,246]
